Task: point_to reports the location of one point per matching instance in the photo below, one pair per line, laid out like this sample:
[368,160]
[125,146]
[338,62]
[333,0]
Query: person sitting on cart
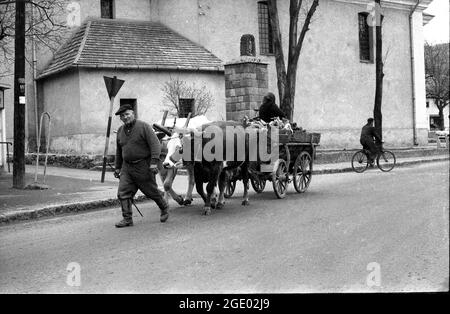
[269,110]
[368,138]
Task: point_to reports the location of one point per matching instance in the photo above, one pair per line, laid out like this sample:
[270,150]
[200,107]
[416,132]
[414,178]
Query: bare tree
[287,78]
[174,89]
[379,65]
[437,77]
[43,22]
[18,20]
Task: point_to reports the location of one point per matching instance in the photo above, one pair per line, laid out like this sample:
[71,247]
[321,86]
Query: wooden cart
[294,164]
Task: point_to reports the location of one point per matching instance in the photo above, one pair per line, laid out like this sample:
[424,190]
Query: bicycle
[385,160]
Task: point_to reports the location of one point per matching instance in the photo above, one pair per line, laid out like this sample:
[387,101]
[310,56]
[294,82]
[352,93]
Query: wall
[419,79]
[61,99]
[335,91]
[135,9]
[145,87]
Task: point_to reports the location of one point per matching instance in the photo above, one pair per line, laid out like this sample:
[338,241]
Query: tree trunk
[287,105]
[19,108]
[377,115]
[441,125]
[287,80]
[278,49]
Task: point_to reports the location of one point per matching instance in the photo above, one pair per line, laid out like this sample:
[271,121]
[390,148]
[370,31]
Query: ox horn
[187,120]
[162,129]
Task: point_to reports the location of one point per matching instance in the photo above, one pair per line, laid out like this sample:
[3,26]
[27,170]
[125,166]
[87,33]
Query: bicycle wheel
[360,162]
[386,161]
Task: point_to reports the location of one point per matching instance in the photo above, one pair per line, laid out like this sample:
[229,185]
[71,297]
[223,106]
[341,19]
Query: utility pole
[19,97]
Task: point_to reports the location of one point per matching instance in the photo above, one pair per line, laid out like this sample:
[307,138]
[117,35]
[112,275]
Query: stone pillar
[246,83]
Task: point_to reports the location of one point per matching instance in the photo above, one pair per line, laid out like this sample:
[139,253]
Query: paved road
[330,239]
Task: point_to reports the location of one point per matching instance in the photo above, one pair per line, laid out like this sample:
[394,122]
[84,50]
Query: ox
[191,143]
[168,174]
[167,169]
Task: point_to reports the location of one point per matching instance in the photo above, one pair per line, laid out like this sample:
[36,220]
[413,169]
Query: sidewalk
[76,190]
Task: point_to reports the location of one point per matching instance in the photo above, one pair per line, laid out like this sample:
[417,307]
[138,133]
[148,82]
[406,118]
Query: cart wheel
[230,186]
[302,172]
[280,178]
[258,184]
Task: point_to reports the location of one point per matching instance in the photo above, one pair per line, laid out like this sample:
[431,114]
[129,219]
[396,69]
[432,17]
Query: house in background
[142,53]
[147,42]
[433,115]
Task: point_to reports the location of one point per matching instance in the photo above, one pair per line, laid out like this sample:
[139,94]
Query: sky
[437,31]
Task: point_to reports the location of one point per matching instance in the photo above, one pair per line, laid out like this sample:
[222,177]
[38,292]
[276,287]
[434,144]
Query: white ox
[172,162]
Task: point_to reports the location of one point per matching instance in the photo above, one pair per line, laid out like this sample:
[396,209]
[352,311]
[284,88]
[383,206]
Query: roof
[127,44]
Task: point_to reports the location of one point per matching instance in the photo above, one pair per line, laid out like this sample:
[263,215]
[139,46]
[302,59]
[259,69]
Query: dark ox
[212,170]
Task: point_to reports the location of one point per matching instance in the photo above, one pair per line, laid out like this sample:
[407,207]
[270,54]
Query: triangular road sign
[113,85]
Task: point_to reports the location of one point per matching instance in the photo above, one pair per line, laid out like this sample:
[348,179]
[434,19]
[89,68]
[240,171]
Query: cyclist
[368,135]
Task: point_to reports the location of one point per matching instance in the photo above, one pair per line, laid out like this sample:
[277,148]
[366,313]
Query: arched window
[248,45]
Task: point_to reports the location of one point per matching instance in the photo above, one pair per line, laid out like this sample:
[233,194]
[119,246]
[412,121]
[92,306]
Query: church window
[265,29]
[365,38]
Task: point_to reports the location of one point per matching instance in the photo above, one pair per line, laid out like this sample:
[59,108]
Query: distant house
[433,115]
[147,42]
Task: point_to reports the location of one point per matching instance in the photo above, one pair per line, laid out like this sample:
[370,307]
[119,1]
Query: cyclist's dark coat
[368,134]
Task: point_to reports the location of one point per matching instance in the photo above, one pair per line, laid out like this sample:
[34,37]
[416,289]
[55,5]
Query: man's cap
[370,120]
[123,108]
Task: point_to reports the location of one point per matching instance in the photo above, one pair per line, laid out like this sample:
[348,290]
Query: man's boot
[127,214]
[164,212]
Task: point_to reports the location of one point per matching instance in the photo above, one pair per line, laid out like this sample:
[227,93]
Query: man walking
[368,135]
[136,164]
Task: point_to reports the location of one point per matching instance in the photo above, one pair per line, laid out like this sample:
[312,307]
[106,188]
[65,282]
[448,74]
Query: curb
[52,211]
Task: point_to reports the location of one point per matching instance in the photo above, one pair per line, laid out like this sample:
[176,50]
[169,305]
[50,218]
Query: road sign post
[113,86]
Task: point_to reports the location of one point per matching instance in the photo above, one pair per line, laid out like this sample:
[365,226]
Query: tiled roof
[125,44]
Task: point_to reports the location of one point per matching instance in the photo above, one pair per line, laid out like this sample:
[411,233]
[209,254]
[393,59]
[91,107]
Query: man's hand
[117,173]
[154,168]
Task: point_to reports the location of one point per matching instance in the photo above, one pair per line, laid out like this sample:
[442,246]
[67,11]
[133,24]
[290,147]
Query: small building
[142,53]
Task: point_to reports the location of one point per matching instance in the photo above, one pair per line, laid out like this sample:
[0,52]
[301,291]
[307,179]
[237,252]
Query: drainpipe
[413,85]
